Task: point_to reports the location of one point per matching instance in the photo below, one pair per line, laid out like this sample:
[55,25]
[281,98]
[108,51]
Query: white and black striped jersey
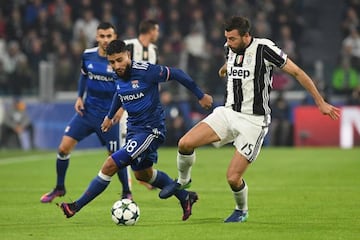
[140,53]
[249,76]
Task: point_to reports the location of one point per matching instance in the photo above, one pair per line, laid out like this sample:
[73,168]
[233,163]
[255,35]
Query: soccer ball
[125,212]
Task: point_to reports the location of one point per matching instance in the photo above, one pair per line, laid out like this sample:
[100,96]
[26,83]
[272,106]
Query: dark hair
[116,46]
[241,24]
[147,25]
[106,25]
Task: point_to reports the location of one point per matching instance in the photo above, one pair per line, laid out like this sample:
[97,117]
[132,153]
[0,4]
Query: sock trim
[104,177]
[153,178]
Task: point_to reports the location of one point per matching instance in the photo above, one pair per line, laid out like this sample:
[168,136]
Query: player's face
[235,41]
[104,37]
[155,34]
[120,62]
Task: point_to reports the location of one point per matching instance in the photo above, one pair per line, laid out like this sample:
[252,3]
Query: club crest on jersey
[90,66]
[109,69]
[249,57]
[135,83]
[231,58]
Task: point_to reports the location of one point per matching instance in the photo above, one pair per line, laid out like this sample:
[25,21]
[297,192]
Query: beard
[124,74]
[239,49]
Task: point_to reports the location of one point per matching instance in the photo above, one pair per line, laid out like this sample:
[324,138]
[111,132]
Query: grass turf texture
[309,193]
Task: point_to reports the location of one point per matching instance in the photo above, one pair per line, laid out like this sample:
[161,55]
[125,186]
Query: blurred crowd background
[320,36]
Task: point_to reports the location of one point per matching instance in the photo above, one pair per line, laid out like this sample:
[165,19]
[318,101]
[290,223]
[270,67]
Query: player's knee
[185,145]
[109,167]
[234,181]
[143,176]
[63,151]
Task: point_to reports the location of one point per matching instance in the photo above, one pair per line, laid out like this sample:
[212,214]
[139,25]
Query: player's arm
[205,100]
[223,70]
[79,104]
[109,118]
[118,115]
[291,68]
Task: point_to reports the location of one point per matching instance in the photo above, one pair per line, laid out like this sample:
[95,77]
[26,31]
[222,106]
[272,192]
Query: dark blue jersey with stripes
[139,94]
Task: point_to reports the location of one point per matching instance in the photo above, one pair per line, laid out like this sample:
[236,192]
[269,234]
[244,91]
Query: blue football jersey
[100,85]
[139,95]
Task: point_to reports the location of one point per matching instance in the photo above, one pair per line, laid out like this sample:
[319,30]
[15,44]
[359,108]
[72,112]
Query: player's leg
[123,131]
[160,179]
[119,159]
[77,129]
[236,170]
[62,163]
[112,141]
[199,135]
[248,145]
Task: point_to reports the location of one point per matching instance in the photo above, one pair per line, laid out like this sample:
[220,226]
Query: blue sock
[97,186]
[162,180]
[123,177]
[61,167]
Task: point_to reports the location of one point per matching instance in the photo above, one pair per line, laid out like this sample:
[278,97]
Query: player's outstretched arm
[324,107]
[179,75]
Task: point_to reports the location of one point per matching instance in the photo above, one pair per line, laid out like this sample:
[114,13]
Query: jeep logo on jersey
[99,77]
[239,72]
[131,97]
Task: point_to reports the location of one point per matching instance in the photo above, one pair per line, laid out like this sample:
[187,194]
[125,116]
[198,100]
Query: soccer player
[97,81]
[138,94]
[142,48]
[245,117]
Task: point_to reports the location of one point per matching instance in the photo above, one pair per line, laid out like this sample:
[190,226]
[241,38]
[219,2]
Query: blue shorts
[140,150]
[80,127]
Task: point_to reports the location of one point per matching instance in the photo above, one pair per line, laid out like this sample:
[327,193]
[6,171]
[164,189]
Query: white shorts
[247,132]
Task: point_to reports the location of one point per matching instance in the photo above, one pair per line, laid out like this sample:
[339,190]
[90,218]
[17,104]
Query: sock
[62,164]
[184,163]
[97,186]
[161,179]
[123,177]
[241,197]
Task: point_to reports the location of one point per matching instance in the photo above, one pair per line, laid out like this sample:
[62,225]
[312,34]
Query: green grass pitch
[294,193]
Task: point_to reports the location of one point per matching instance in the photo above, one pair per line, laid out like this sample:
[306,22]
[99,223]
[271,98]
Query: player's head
[237,33]
[150,27]
[105,33]
[118,57]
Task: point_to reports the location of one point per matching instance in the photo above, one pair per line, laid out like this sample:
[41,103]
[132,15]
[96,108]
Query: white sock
[184,163]
[241,198]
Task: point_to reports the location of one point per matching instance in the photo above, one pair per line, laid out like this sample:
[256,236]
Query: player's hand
[330,110]
[106,124]
[79,106]
[222,73]
[206,102]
